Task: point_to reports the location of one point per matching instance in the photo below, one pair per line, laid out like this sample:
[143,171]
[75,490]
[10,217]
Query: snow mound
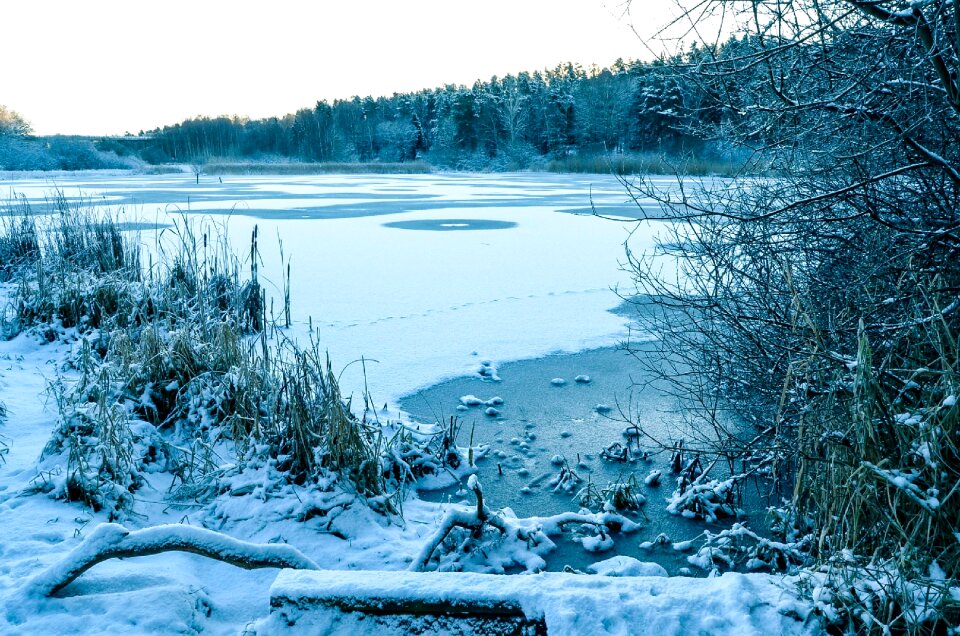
[626,566]
[488,371]
[597,543]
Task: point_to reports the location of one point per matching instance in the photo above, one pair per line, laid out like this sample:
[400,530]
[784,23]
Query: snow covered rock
[598,543]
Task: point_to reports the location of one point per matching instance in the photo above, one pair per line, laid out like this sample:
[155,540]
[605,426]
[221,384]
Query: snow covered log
[113,541]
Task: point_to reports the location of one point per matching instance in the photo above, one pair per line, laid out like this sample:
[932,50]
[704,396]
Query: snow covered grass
[869,595]
[177,370]
[19,242]
[623,494]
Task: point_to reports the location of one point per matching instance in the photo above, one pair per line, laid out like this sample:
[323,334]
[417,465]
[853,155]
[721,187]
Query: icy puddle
[559,413]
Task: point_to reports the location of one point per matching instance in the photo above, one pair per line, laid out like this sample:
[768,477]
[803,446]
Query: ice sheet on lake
[418,303]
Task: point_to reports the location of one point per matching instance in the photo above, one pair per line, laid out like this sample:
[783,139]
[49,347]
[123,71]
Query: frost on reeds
[177,368]
[622,495]
[19,243]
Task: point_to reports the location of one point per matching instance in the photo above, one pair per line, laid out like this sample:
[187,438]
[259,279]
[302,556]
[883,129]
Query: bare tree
[820,304]
[12,123]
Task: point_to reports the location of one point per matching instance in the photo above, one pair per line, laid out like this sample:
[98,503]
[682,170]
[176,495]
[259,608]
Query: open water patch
[546,424]
[450,225]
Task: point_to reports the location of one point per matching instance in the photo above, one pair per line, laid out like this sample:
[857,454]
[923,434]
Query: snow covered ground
[425,305]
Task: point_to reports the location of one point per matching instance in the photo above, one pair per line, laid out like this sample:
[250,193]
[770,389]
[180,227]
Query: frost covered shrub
[18,153]
[57,153]
[811,320]
[80,154]
[646,163]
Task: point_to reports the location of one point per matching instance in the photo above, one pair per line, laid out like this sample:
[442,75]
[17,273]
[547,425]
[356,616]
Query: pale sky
[110,66]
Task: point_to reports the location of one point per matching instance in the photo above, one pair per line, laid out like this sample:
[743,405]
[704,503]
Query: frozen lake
[423,276]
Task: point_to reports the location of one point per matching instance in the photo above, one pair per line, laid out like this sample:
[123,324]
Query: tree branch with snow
[114,541]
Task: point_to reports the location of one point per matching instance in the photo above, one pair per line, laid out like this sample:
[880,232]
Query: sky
[113,66]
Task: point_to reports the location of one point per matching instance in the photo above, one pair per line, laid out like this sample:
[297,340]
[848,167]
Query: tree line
[512,122]
[507,122]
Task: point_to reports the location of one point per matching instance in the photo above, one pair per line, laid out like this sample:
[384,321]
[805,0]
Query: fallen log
[114,541]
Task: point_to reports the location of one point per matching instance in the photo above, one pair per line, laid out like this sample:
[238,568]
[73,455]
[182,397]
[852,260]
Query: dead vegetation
[177,367]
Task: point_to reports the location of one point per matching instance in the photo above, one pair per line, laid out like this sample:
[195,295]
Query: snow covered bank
[568,604]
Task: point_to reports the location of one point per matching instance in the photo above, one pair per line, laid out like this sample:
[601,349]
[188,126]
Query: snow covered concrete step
[375,602]
[558,604]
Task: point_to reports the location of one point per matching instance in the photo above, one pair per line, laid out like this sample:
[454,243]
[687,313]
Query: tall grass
[19,240]
[879,472]
[177,370]
[649,163]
